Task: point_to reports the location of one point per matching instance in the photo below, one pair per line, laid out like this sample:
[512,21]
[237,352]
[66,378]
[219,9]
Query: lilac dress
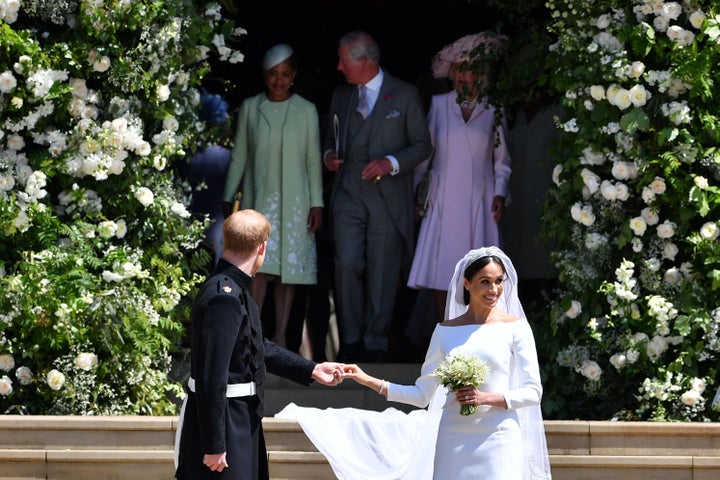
[469,170]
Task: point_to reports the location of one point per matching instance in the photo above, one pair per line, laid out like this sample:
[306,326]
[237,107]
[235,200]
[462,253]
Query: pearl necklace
[468,104]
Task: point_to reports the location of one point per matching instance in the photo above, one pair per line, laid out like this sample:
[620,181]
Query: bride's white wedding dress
[443,444]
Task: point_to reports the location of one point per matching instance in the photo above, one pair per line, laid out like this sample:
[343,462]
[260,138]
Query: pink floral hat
[460,50]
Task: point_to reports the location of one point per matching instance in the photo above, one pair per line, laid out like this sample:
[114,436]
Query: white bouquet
[459,371]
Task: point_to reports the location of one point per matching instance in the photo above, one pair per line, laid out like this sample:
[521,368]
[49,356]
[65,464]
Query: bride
[504,440]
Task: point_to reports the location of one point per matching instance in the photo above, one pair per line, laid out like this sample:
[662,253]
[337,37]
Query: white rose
[658,186]
[637,69]
[55,380]
[638,226]
[86,361]
[107,229]
[639,96]
[557,170]
[618,360]
[697,18]
[671,10]
[101,64]
[591,370]
[623,170]
[7,82]
[180,210]
[608,190]
[15,142]
[686,38]
[691,397]
[698,384]
[672,276]
[603,21]
[709,231]
[7,362]
[120,228]
[622,192]
[145,196]
[24,375]
[163,92]
[670,251]
[656,347]
[170,123]
[650,216]
[653,264]
[5,386]
[637,245]
[666,229]
[622,99]
[597,92]
[660,23]
[647,195]
[632,355]
[574,310]
[701,182]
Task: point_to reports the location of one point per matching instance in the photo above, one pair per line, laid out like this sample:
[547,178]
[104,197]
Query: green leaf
[636,119]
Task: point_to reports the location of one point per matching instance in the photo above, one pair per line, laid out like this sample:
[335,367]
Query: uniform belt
[233,389]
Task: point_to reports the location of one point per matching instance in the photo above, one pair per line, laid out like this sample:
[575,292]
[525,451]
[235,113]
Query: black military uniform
[228,348]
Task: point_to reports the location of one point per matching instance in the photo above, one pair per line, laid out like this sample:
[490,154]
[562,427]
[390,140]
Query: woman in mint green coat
[276,165]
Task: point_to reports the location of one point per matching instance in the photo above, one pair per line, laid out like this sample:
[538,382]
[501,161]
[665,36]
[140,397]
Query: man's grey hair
[362,44]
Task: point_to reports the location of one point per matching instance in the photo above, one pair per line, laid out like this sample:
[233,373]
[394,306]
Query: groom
[378,135]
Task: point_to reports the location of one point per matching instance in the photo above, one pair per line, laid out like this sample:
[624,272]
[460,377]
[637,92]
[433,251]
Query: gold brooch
[227,289]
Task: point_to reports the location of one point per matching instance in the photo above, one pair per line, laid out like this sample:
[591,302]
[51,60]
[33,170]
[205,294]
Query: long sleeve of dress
[425,386]
[526,389]
[502,161]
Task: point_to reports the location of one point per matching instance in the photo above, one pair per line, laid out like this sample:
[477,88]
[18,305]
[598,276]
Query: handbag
[422,194]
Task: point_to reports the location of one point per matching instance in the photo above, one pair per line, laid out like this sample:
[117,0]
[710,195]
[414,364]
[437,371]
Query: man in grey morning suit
[378,134]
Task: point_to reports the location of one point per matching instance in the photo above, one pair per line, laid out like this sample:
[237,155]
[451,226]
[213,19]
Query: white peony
[639,96]
[637,69]
[7,82]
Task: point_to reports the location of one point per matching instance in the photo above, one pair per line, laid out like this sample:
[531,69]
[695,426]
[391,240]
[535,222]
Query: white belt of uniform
[233,390]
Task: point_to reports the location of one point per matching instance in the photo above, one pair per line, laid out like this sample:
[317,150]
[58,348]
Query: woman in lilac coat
[471,169]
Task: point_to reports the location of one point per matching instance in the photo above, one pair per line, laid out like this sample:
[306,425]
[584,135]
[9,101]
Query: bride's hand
[356,373]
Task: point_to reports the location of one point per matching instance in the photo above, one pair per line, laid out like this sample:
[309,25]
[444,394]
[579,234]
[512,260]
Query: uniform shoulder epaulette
[226,285]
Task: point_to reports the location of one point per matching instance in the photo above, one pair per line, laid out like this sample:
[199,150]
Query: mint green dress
[276,165]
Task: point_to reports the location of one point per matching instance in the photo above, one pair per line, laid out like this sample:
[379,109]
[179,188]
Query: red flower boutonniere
[388,96]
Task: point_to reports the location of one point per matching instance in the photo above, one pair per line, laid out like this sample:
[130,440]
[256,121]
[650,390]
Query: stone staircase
[132,448]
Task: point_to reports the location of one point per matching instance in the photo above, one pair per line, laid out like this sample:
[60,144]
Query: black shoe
[376,356]
[351,353]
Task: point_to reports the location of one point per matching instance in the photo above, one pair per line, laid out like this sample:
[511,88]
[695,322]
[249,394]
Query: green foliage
[98,252]
[635,212]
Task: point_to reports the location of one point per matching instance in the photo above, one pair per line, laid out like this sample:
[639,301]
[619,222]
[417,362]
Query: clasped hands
[374,170]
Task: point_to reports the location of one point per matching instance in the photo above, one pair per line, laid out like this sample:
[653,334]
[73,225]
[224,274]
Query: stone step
[106,464]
